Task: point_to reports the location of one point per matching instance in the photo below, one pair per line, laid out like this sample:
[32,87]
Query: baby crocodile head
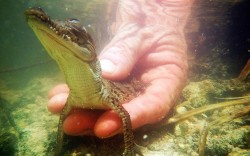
[61,36]
[72,48]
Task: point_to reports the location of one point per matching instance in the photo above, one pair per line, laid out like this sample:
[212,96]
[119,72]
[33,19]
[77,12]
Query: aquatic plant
[244,111]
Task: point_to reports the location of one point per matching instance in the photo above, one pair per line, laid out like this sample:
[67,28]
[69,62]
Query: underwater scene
[212,114]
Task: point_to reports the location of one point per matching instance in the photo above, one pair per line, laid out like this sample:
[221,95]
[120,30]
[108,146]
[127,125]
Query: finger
[159,97]
[119,57]
[150,107]
[57,102]
[61,88]
[108,125]
[132,44]
[143,110]
[81,122]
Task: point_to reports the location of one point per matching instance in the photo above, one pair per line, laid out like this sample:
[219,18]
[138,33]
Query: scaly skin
[73,49]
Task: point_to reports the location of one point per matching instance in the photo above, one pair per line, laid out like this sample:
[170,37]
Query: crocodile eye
[74,21]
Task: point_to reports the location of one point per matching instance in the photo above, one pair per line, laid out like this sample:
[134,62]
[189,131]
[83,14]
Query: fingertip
[109,124]
[116,63]
[61,88]
[80,122]
[57,102]
[108,67]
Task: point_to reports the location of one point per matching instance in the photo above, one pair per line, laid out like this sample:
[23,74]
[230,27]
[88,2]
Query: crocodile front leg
[60,134]
[130,146]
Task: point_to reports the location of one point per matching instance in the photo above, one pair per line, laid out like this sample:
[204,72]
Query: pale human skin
[148,35]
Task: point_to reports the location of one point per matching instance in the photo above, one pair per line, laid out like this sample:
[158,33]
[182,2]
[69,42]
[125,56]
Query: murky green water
[219,40]
[26,75]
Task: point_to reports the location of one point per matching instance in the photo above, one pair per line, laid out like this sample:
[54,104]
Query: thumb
[118,58]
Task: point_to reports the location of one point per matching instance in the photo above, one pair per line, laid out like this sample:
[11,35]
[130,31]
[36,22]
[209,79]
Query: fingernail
[107,66]
[117,131]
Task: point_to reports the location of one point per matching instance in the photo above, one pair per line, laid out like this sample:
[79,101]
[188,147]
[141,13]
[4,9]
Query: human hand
[148,35]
